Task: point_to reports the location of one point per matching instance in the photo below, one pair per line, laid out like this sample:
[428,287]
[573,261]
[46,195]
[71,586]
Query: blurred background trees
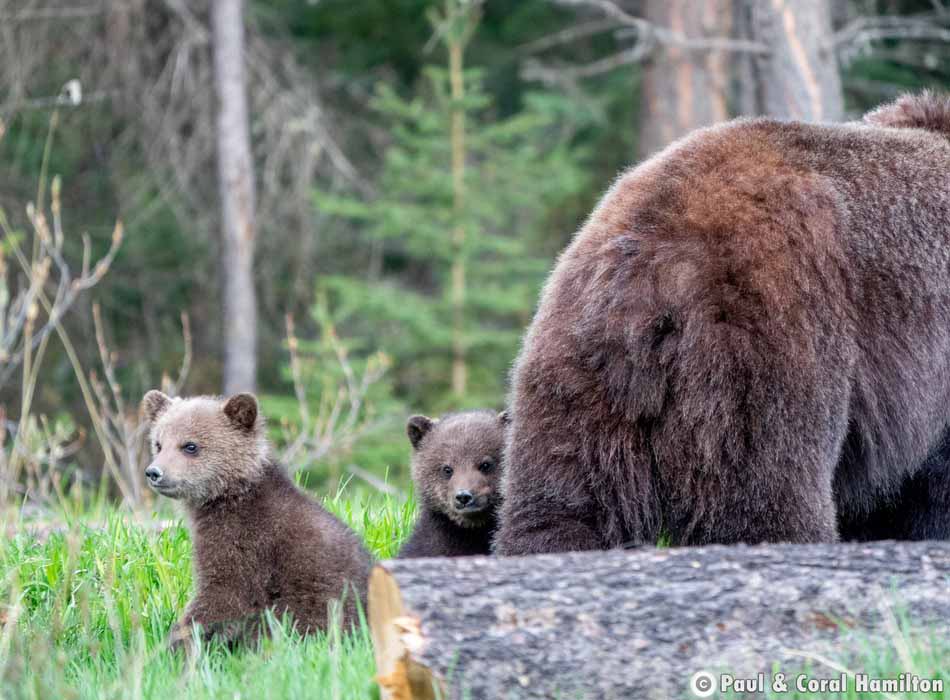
[417,165]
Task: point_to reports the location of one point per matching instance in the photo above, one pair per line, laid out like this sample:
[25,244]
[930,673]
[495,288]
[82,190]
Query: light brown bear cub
[259,542]
[456,466]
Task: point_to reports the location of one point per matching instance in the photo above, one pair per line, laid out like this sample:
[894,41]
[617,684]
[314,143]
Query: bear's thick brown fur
[456,465]
[749,340]
[259,542]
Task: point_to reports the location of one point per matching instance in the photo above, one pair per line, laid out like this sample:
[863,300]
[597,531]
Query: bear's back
[828,239]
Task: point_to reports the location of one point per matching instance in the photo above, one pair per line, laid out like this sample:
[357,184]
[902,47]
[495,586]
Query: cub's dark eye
[189,448]
[447,471]
[486,466]
[158,447]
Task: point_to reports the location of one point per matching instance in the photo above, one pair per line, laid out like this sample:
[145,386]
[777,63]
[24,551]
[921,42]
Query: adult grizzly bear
[749,340]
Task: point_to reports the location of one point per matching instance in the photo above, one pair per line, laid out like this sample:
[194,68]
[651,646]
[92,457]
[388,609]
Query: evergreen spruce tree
[455,236]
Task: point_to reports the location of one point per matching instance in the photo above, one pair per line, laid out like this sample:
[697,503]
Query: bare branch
[54,13]
[612,10]
[119,424]
[864,30]
[568,35]
[66,100]
[554,75]
[379,484]
[344,414]
[644,29]
[648,36]
[174,388]
[13,342]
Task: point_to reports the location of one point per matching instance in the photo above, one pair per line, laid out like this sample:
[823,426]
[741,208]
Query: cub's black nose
[463,498]
[153,473]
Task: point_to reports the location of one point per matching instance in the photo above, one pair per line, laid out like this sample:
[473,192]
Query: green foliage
[342,410]
[518,168]
[366,34]
[539,157]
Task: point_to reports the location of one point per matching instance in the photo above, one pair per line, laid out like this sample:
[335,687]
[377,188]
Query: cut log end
[396,635]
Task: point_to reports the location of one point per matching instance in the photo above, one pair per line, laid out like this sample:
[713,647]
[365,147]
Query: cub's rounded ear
[504,417]
[241,409]
[154,404]
[416,429]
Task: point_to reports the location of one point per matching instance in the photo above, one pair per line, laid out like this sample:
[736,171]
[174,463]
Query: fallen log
[639,624]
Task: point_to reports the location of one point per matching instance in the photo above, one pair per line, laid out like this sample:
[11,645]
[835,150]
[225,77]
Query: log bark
[639,624]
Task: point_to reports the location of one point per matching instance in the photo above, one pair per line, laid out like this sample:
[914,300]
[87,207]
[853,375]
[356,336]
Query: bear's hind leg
[776,487]
[574,480]
[748,441]
[544,525]
[920,510]
[928,502]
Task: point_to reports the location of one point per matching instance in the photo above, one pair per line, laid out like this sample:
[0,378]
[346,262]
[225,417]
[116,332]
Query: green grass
[86,613]
[908,650]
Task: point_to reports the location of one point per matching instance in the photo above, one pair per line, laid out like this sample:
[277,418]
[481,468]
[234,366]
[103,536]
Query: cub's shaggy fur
[259,543]
[749,340]
[456,463]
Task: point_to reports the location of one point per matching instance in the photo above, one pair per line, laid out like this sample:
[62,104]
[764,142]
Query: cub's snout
[153,474]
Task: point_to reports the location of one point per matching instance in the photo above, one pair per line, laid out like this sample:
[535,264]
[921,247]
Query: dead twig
[867,29]
[44,14]
[648,36]
[14,314]
[568,35]
[120,425]
[559,74]
[662,35]
[343,414]
[380,485]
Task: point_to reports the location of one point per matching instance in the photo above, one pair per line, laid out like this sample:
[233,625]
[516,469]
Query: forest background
[355,221]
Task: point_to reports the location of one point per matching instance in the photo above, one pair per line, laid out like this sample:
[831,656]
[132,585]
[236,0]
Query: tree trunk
[799,78]
[684,88]
[236,189]
[457,80]
[612,625]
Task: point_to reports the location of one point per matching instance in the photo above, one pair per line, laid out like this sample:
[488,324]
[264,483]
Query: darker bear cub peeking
[456,463]
[259,542]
